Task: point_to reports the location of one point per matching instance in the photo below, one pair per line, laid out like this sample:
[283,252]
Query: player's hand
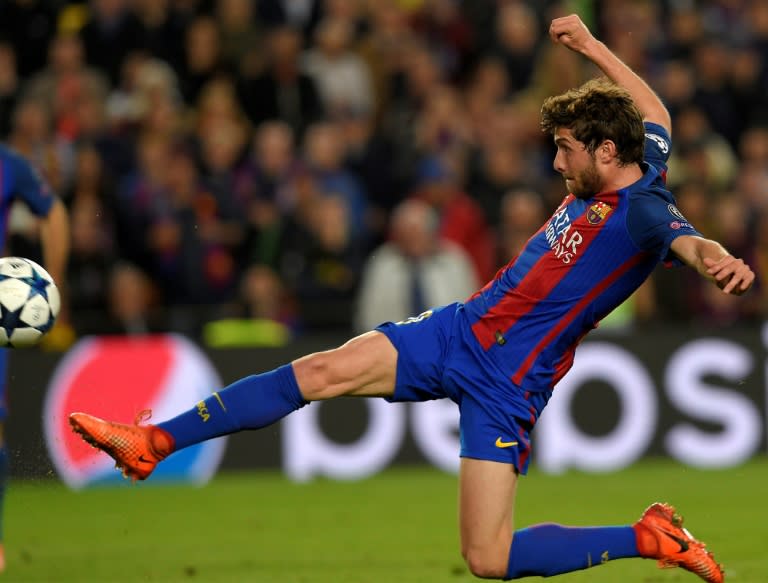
[731,274]
[571,32]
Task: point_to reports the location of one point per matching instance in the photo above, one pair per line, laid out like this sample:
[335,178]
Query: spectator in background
[460,219]
[700,153]
[240,31]
[301,16]
[324,154]
[368,156]
[263,314]
[217,104]
[449,35]
[712,62]
[753,146]
[213,224]
[161,30]
[522,211]
[676,85]
[132,303]
[355,12]
[33,137]
[340,74]
[282,91]
[138,194]
[28,26]
[384,47]
[221,157]
[91,179]
[267,180]
[441,125]
[147,101]
[415,269]
[65,83]
[111,33]
[91,260]
[263,297]
[683,32]
[517,35]
[496,168]
[9,87]
[203,58]
[322,260]
[747,88]
[488,88]
[415,82]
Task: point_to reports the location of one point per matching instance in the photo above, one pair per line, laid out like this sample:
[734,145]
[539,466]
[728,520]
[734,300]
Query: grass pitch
[397,527]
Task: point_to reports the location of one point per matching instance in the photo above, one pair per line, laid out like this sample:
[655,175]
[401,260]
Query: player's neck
[621,177]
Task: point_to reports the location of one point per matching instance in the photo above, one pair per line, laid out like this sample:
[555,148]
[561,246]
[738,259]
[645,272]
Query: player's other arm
[571,32]
[712,261]
[54,237]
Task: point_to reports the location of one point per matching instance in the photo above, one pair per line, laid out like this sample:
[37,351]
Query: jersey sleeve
[654,222]
[658,145]
[27,185]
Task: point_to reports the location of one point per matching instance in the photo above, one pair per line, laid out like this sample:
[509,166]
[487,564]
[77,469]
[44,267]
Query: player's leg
[495,449]
[364,366]
[491,548]
[408,352]
[486,503]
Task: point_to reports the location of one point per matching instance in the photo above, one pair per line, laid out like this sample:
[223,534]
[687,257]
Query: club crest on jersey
[597,212]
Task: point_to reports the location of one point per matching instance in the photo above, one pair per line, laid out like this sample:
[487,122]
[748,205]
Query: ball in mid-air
[29,302]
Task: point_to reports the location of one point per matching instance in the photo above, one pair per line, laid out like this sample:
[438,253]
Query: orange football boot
[135,448]
[660,535]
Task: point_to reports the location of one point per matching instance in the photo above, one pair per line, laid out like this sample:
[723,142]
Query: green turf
[397,527]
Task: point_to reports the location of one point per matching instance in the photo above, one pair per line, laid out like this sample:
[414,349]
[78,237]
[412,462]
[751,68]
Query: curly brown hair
[599,110]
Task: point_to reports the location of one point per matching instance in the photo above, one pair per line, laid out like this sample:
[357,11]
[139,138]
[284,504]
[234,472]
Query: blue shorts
[438,357]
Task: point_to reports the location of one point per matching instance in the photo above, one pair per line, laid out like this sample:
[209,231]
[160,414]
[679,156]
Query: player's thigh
[486,507]
[364,366]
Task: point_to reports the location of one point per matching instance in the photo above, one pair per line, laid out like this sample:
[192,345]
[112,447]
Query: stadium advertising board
[695,396]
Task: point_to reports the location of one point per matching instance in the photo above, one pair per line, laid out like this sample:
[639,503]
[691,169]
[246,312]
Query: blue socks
[250,403]
[551,549]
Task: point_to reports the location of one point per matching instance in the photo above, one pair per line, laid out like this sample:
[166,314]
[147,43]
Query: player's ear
[606,151]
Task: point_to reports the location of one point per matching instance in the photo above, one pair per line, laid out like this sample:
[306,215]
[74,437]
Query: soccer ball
[29,302]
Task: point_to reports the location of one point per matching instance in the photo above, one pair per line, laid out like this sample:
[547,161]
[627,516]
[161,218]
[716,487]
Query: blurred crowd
[330,164]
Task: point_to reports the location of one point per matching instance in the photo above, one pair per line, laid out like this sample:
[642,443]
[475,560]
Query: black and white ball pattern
[29,302]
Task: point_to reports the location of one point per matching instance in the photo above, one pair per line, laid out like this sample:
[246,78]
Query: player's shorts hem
[501,459]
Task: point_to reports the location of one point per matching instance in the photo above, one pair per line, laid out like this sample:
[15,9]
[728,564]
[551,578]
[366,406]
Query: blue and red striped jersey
[589,257]
[20,181]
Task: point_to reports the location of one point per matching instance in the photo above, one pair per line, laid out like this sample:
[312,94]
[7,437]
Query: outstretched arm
[571,32]
[712,261]
[55,242]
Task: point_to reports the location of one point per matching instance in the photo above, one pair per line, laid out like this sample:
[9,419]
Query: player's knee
[486,563]
[317,377]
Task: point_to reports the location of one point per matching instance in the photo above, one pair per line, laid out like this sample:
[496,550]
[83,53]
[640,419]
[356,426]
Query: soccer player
[20,181]
[499,354]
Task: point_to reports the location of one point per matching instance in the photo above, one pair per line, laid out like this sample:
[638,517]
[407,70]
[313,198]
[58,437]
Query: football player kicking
[499,354]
